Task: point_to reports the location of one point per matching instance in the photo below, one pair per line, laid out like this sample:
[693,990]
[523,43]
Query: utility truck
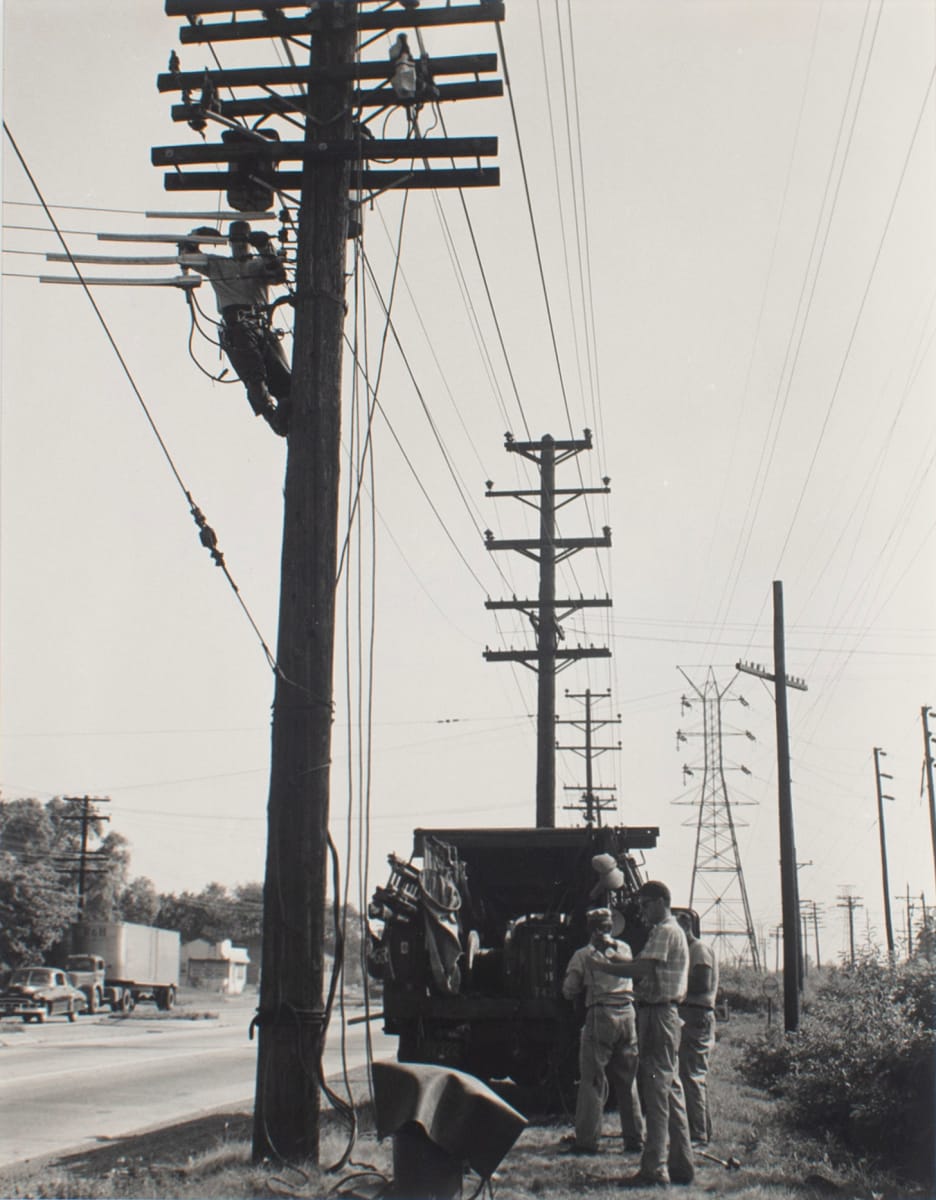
[117,963]
[471,937]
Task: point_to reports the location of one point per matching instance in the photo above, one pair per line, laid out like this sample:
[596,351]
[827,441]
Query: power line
[207,535]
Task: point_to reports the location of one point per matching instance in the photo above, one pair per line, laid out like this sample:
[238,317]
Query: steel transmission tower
[717,888]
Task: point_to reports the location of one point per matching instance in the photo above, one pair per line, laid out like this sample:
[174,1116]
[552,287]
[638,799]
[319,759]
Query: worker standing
[660,973]
[241,286]
[698,1032]
[608,1041]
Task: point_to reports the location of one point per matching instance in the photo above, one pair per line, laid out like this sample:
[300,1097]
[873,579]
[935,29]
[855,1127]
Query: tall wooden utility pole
[592,804]
[878,776]
[545,613]
[292,1017]
[789,886]
[334,154]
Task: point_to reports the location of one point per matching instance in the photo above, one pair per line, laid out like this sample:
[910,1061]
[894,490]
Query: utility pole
[851,903]
[878,776]
[926,712]
[789,887]
[546,612]
[717,873]
[592,804]
[909,912]
[814,910]
[334,153]
[88,818]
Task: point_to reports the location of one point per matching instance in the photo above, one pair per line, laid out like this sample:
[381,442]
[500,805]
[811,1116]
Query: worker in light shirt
[609,1038]
[698,1032]
[660,973]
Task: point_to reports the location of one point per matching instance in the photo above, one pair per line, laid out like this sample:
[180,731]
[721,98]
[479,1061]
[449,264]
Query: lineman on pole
[241,286]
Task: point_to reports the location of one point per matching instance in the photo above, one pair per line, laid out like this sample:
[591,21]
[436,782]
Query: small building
[215,966]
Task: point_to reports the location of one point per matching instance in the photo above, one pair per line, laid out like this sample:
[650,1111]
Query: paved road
[65,1087]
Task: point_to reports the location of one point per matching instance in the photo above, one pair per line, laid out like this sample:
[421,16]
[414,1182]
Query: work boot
[277,417]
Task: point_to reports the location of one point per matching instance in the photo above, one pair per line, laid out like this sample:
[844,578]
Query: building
[215,966]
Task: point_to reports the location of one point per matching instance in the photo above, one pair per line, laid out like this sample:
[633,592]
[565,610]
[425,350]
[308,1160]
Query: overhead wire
[206,533]
[803,310]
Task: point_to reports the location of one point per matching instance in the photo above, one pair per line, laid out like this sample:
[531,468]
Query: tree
[36,905]
[139,902]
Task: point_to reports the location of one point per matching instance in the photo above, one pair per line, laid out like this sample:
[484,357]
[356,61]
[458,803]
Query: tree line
[40,880]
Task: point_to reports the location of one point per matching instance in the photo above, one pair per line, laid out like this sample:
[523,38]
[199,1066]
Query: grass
[211,1158]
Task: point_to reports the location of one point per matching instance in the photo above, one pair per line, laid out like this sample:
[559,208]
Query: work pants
[667,1151]
[695,1046]
[255,353]
[608,1046]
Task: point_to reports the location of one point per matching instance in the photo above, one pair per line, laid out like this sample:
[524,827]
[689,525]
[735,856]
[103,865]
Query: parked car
[35,993]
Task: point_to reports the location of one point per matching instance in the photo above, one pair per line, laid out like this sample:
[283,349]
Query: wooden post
[286,1113]
[546,638]
[789,885]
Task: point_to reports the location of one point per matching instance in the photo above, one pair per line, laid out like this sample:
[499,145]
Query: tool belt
[244,314]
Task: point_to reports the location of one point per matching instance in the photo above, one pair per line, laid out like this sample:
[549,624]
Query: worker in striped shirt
[660,973]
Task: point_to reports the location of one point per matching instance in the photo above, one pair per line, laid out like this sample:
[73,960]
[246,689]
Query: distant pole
[86,817]
[815,917]
[851,903]
[878,776]
[290,1018]
[789,885]
[928,764]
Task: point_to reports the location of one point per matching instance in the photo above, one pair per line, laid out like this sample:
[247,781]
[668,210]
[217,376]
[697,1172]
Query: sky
[712,246]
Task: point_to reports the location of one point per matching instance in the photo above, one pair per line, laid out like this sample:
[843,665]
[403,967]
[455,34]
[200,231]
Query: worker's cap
[654,890]
[239,231]
[598,918]
[612,877]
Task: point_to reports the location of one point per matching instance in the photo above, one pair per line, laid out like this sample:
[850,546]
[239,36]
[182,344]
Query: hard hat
[239,231]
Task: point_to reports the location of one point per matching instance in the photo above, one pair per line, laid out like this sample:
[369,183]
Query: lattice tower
[718,890]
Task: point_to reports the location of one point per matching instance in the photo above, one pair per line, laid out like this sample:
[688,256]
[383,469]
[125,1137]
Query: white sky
[756,241]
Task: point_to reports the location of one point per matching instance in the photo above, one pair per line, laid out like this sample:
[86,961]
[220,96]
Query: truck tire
[71,1014]
[126,1002]
[43,1013]
[94,1001]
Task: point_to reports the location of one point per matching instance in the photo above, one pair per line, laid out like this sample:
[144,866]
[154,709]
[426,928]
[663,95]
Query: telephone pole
[789,887]
[878,776]
[87,817]
[851,903]
[592,804]
[331,97]
[926,712]
[546,612]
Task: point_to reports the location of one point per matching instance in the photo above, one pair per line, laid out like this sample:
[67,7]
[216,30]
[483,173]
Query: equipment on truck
[472,936]
[117,963]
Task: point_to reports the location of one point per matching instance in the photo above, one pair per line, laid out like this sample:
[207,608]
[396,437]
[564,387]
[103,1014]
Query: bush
[862,1065]
[742,988]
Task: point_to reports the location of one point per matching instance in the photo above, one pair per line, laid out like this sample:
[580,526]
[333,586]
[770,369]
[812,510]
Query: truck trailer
[471,937]
[117,963]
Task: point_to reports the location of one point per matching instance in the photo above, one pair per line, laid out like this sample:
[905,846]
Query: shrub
[742,988]
[862,1065]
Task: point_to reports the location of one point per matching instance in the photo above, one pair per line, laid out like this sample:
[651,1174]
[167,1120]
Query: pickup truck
[36,993]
